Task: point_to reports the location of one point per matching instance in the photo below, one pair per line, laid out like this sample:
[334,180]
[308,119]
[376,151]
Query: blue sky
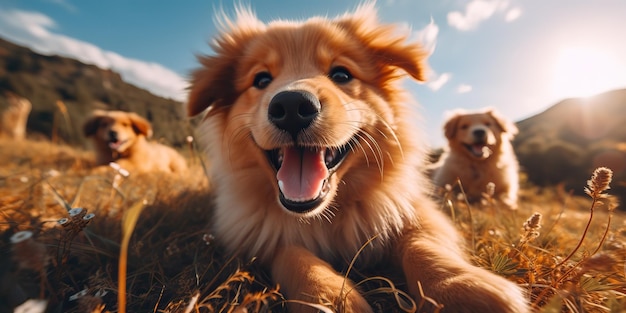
[519,56]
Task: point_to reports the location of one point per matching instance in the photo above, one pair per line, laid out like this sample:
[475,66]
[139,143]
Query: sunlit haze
[585,71]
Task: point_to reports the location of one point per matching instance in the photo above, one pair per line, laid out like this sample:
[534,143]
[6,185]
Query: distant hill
[565,143]
[81,87]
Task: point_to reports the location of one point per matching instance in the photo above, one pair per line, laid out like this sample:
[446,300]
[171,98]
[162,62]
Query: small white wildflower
[490,189]
[78,295]
[21,236]
[124,172]
[52,173]
[101,293]
[32,306]
[208,238]
[76,212]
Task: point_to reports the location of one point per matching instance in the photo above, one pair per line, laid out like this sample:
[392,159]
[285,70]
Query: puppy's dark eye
[487,124]
[340,75]
[262,80]
[464,126]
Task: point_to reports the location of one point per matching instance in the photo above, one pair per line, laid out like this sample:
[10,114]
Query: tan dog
[480,153]
[14,118]
[121,137]
[314,153]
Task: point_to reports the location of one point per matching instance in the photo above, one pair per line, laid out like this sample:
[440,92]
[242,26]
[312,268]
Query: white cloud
[513,14]
[438,81]
[464,88]
[427,36]
[476,12]
[36,31]
[65,4]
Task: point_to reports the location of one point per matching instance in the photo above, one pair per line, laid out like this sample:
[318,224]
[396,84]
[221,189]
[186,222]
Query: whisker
[359,145]
[378,154]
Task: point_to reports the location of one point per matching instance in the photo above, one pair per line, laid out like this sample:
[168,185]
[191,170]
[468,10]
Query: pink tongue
[302,174]
[115,145]
[477,150]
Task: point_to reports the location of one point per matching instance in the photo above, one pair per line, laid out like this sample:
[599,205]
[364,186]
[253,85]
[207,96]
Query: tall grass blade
[129,220]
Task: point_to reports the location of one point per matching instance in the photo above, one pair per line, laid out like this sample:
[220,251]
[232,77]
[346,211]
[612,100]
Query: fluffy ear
[505,125]
[214,83]
[386,42]
[91,125]
[451,126]
[140,125]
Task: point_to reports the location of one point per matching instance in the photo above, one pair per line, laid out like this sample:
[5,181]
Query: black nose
[479,133]
[294,110]
[113,135]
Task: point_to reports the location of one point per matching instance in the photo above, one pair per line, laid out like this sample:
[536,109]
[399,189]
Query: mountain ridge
[47,79]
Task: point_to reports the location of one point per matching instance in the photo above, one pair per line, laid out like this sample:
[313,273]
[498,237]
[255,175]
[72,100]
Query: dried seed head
[189,139]
[531,227]
[599,182]
[448,187]
[533,222]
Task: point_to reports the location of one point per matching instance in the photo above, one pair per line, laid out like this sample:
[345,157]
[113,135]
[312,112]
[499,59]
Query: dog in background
[480,152]
[122,137]
[314,155]
[14,117]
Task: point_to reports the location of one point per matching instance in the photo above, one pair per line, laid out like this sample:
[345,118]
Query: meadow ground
[146,237]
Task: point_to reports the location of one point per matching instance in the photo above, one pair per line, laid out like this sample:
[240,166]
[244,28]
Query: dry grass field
[141,243]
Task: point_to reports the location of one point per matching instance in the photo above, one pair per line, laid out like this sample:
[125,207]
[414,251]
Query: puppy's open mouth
[479,150]
[115,145]
[303,174]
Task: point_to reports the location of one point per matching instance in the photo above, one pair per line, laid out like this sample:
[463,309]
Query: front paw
[353,302]
[330,301]
[478,292]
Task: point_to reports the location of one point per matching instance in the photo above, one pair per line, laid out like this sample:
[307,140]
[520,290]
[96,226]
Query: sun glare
[586,71]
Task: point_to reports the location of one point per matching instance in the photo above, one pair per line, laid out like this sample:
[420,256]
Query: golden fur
[13,119]
[480,152]
[341,76]
[122,137]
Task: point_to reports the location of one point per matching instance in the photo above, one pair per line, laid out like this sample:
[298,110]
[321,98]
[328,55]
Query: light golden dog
[122,137]
[479,153]
[14,118]
[314,153]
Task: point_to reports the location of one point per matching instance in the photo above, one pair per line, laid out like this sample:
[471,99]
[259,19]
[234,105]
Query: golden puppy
[121,137]
[480,152]
[14,118]
[313,154]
